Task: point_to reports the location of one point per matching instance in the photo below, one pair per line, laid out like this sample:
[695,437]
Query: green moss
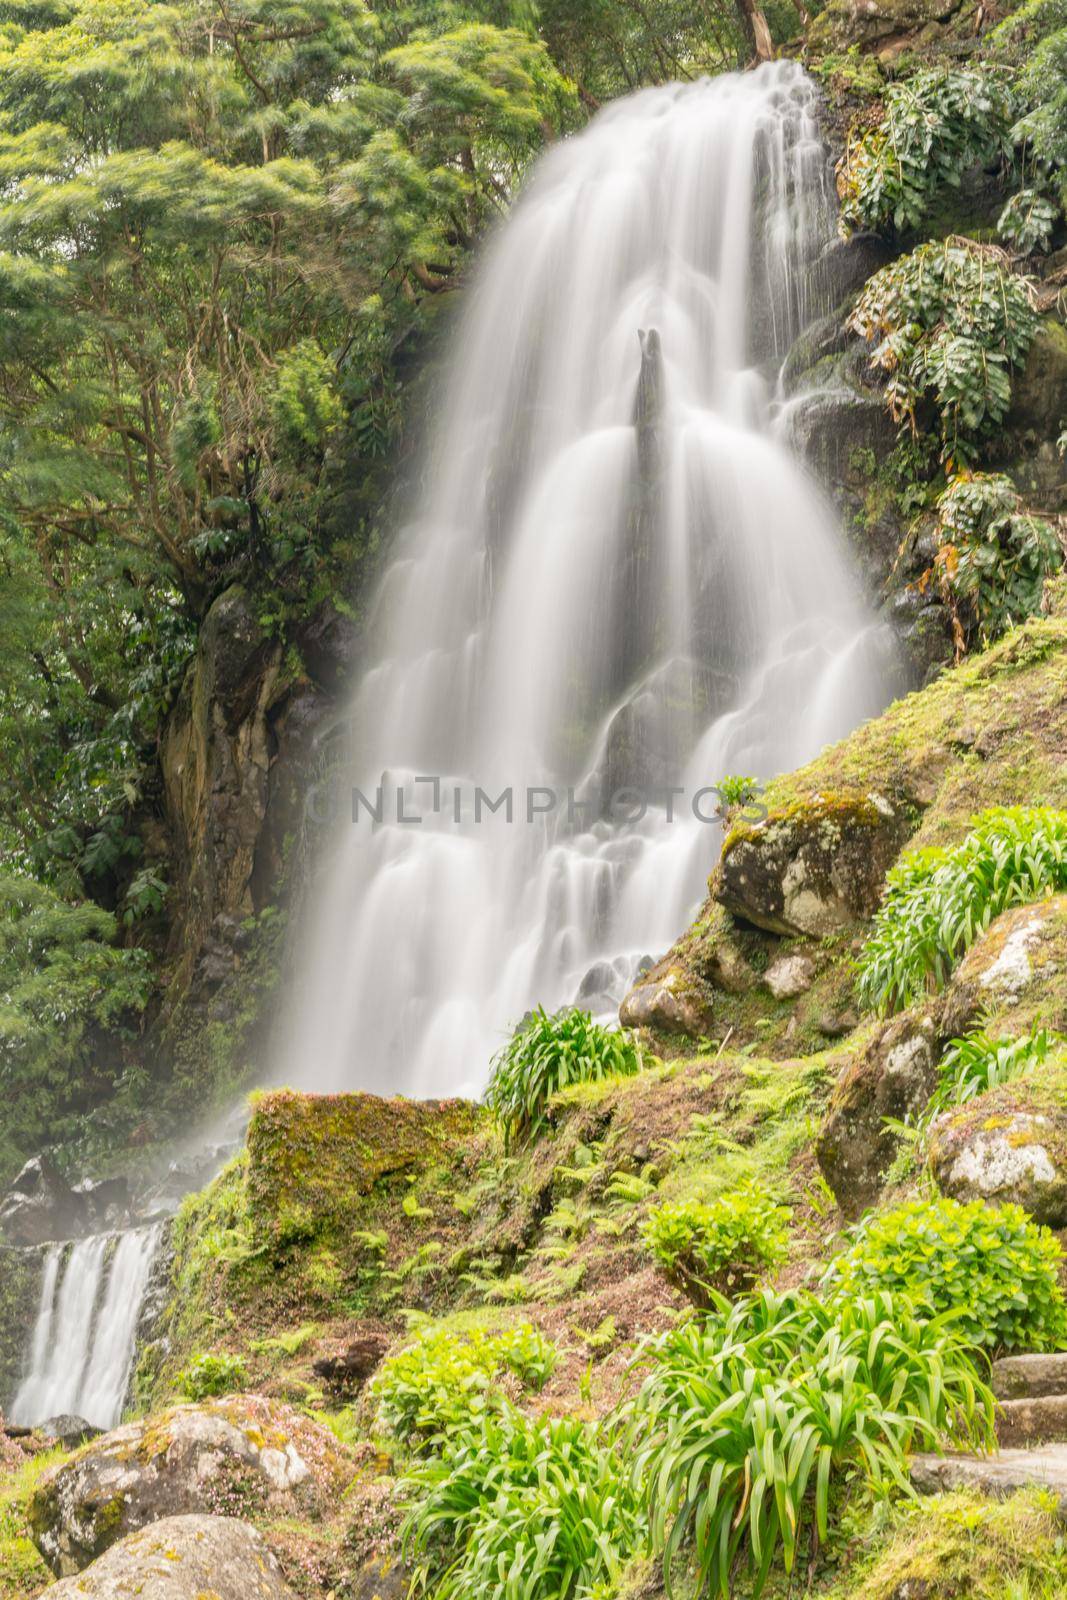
[22,1571]
[20,1285]
[965,1545]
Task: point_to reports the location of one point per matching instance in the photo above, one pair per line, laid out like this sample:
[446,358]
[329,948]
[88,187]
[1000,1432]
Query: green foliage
[751,1425]
[441,1383]
[734,790]
[1033,39]
[993,557]
[719,1248]
[949,322]
[62,981]
[208,1375]
[935,126]
[547,1053]
[521,1510]
[1028,221]
[976,1063]
[990,1266]
[938,901]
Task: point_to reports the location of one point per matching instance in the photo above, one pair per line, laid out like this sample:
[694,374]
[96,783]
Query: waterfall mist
[617,576]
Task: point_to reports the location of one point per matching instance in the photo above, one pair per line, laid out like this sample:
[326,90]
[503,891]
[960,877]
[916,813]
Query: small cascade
[84,1339]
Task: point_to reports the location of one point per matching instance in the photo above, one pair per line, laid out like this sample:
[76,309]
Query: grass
[22,1571]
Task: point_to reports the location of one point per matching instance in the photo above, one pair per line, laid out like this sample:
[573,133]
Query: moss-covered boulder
[1015,976]
[893,1077]
[877,24]
[311,1158]
[1009,1145]
[813,868]
[242,1454]
[669,998]
[183,1558]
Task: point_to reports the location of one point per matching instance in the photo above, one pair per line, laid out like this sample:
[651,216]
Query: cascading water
[84,1338]
[618,575]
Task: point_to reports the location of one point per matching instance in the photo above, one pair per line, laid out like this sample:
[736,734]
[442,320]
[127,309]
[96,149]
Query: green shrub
[521,1510]
[208,1375]
[976,1063]
[547,1053]
[442,1383]
[948,323]
[722,1247]
[1028,221]
[938,901]
[991,1266]
[935,125]
[751,1423]
[1034,40]
[993,557]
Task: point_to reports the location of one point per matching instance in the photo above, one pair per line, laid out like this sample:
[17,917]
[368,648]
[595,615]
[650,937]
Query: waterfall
[84,1339]
[617,577]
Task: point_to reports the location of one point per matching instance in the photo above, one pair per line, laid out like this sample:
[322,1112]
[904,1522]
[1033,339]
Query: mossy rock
[243,1454]
[183,1558]
[311,1158]
[20,1287]
[894,1077]
[1039,391]
[1009,1145]
[871,24]
[814,868]
[1014,977]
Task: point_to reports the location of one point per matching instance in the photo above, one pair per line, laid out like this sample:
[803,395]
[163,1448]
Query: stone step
[1030,1377]
[1026,1422]
[999,1474]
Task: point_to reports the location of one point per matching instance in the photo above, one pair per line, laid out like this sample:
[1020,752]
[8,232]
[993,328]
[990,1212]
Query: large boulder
[815,868]
[41,1206]
[894,1077]
[312,1157]
[669,998]
[879,25]
[242,1451]
[1015,975]
[183,1558]
[1009,1145]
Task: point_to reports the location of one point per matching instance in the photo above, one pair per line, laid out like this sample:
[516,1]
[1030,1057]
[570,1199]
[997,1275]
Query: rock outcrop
[1008,1145]
[1015,975]
[240,1451]
[816,868]
[41,1206]
[894,1077]
[183,1558]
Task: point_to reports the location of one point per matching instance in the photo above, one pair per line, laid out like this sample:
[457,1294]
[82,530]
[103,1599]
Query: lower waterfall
[84,1339]
[618,579]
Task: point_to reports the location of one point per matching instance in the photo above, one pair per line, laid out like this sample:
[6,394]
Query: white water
[86,1329]
[569,575]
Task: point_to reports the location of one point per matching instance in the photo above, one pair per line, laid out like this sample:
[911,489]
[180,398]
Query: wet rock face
[241,1451]
[894,1077]
[1006,1146]
[40,1206]
[816,869]
[183,1558]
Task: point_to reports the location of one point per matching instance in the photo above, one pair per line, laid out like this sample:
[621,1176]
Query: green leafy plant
[948,322]
[549,1052]
[441,1383]
[993,558]
[734,790]
[976,1063]
[208,1375]
[938,901]
[1028,221]
[935,125]
[521,1510]
[752,1423]
[990,1267]
[1033,40]
[722,1247]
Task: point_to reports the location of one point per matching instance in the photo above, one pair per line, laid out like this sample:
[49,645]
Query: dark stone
[329,645]
[846,264]
[352,1368]
[41,1206]
[814,869]
[67,1430]
[107,1202]
[894,1078]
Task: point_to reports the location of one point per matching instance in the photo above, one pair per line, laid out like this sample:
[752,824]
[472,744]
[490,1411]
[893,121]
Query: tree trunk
[756,30]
